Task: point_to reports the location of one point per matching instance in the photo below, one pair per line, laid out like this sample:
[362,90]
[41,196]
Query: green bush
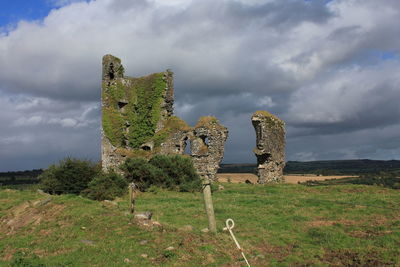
[142,173]
[170,172]
[106,186]
[69,176]
[180,175]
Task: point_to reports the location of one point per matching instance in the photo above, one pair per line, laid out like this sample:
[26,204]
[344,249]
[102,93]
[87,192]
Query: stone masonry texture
[138,121]
[270,147]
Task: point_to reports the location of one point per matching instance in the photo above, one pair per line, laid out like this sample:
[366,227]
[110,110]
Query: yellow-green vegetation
[172,125]
[270,118]
[208,121]
[277,225]
[134,153]
[142,97]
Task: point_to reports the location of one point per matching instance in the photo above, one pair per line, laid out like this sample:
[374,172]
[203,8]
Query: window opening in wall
[187,145]
[146,148]
[205,139]
[121,106]
[111,71]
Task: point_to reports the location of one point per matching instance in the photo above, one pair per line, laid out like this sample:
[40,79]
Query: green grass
[277,225]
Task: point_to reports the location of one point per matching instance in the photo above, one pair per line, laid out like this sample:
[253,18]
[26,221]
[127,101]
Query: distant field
[290,179]
[324,167]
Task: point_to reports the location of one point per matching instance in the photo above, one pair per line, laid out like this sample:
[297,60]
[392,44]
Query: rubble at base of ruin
[270,147]
[138,121]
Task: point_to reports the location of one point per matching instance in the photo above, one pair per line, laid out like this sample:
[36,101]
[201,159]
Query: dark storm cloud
[329,68]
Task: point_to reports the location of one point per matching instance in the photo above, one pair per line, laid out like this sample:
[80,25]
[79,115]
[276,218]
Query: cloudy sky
[330,69]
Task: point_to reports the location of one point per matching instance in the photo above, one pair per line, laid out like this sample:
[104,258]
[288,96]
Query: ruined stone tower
[133,111]
[270,146]
[138,121]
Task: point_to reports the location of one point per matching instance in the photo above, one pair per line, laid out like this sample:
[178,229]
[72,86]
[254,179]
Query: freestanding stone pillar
[207,145]
[270,147]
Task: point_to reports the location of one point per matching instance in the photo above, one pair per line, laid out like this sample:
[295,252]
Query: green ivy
[145,113]
[144,97]
[113,126]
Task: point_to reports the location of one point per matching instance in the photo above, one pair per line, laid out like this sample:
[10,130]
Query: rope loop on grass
[230,224]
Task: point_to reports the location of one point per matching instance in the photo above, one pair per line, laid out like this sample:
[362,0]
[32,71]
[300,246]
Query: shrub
[69,176]
[180,174]
[106,186]
[170,172]
[142,173]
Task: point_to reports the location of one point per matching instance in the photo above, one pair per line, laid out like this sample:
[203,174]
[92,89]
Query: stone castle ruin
[137,120]
[270,146]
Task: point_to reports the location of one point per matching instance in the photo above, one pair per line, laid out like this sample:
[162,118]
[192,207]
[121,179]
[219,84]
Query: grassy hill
[277,225]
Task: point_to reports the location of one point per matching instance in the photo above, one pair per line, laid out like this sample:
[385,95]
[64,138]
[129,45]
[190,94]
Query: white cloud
[31,121]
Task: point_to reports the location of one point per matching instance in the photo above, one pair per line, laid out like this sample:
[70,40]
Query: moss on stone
[207,121]
[114,122]
[116,93]
[145,110]
[271,119]
[133,153]
[121,70]
[263,113]
[113,126]
[176,123]
[143,97]
[172,125]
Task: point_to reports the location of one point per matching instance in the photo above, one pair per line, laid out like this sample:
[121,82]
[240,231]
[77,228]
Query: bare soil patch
[29,213]
[290,179]
[319,223]
[236,177]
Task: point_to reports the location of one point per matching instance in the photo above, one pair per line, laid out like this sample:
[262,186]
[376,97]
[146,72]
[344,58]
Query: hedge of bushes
[170,172]
[83,177]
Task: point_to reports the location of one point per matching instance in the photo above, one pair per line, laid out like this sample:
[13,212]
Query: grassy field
[278,225]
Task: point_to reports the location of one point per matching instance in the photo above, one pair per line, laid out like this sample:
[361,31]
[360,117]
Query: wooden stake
[132,196]
[209,206]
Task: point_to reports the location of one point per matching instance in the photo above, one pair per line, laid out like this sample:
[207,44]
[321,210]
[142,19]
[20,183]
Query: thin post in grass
[132,196]
[212,226]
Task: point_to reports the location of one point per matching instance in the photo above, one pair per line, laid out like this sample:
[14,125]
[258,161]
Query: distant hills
[324,167]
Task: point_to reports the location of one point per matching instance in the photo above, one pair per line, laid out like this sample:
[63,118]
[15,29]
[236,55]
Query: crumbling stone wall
[207,146]
[270,147]
[138,121]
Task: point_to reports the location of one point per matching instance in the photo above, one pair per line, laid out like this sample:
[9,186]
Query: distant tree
[13,179]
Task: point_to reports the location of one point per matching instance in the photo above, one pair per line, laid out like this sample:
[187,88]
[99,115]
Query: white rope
[229,226]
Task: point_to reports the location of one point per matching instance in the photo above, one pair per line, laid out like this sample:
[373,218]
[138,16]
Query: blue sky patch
[12,11]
